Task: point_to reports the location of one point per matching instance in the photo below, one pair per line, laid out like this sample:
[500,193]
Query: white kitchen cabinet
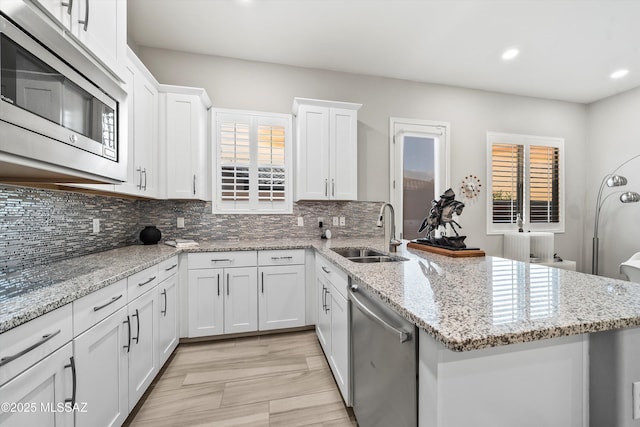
[186,144]
[100,25]
[326,150]
[168,331]
[37,397]
[332,327]
[205,302]
[240,300]
[102,366]
[143,356]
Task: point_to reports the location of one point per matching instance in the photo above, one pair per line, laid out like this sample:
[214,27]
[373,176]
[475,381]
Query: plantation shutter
[544,179]
[271,163]
[507,182]
[235,160]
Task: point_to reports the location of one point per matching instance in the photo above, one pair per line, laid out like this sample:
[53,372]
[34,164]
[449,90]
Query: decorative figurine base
[428,246]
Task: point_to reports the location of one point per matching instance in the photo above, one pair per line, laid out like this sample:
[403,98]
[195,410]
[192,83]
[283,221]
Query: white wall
[259,86]
[613,129]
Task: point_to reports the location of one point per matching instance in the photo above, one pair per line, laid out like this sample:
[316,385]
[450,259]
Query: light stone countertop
[464,303]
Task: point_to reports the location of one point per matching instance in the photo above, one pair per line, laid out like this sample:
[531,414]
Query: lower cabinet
[281,297]
[168,333]
[332,326]
[41,392]
[205,302]
[143,357]
[240,300]
[102,368]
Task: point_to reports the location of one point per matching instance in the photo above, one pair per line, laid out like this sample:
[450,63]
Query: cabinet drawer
[167,268]
[223,259]
[89,310]
[141,282]
[30,342]
[281,257]
[333,274]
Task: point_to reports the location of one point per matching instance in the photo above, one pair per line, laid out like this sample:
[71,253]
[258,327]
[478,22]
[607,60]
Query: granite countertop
[464,303]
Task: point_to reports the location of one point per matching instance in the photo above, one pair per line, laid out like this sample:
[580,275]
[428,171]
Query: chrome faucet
[393,242]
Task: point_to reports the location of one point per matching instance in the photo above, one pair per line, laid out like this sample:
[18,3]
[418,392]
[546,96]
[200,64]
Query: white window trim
[526,140]
[219,207]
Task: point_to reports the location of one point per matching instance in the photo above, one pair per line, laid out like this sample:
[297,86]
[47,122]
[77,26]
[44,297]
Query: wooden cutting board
[461,253]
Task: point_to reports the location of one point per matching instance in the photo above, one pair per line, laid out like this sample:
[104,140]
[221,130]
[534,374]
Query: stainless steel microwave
[50,111]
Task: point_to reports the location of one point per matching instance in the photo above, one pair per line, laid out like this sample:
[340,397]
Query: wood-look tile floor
[271,380]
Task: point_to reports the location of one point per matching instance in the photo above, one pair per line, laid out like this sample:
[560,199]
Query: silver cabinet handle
[325,270]
[44,339]
[139,170]
[194,184]
[222,260]
[86,16]
[128,346]
[262,280]
[276,258]
[137,316]
[144,171]
[324,299]
[333,187]
[227,284]
[72,365]
[171,268]
[114,299]
[326,305]
[68,5]
[218,284]
[164,312]
[147,282]
[404,336]
[326,188]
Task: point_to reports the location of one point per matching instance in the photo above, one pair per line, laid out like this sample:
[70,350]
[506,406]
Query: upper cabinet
[100,25]
[185,142]
[326,149]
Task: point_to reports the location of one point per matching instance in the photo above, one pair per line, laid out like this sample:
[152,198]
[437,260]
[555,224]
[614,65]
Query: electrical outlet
[96,226]
[321,221]
[300,221]
[343,222]
[180,223]
[636,400]
[335,220]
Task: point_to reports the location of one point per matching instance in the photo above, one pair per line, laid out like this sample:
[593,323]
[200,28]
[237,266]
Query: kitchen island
[501,342]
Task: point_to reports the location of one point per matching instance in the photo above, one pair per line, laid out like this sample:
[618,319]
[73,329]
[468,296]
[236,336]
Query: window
[252,162]
[525,178]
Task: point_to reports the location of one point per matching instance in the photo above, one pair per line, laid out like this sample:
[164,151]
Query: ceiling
[568,48]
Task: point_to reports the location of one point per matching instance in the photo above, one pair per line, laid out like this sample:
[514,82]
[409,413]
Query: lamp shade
[630,197]
[616,181]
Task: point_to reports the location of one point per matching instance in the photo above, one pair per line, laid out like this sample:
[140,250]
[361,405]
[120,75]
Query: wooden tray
[461,253]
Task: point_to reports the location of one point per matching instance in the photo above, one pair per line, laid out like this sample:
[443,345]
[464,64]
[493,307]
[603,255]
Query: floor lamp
[610,180]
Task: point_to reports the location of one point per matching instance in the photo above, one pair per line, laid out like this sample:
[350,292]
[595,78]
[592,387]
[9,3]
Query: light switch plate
[96,226]
[300,221]
[335,220]
[180,223]
[343,222]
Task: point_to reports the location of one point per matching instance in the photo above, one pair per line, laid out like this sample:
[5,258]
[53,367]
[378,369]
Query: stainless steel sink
[366,255]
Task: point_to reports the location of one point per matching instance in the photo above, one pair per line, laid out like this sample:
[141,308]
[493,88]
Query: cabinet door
[282,297]
[145,134]
[339,358]
[143,359]
[103,28]
[323,324]
[205,302]
[312,153]
[343,149]
[182,146]
[60,11]
[240,299]
[102,370]
[38,391]
[168,318]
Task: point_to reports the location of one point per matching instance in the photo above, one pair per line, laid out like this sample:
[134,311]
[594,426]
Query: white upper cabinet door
[145,134]
[343,147]
[281,297]
[101,25]
[312,153]
[240,300]
[326,150]
[186,143]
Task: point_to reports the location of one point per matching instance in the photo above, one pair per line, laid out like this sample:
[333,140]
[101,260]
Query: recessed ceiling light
[510,54]
[619,73]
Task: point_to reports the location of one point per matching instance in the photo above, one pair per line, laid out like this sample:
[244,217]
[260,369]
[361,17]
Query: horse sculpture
[441,214]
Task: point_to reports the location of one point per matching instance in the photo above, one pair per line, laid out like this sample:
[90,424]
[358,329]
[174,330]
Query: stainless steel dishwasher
[384,363]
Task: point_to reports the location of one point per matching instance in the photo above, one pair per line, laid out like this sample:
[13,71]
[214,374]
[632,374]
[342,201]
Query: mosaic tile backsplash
[41,226]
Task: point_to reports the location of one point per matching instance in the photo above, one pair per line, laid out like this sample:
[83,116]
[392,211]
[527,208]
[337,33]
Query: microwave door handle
[85,21]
